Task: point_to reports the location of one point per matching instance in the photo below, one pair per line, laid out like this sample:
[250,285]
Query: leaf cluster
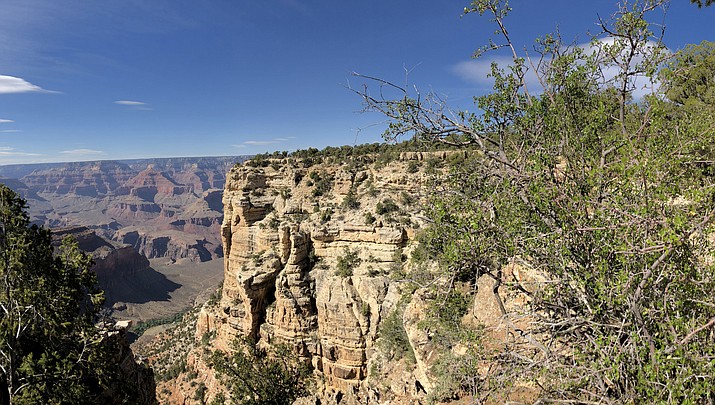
[608,197]
[259,376]
[50,349]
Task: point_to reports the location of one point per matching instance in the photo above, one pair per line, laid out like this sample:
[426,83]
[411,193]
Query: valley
[151,225]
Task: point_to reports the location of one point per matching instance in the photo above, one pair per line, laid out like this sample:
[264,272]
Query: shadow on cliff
[138,288]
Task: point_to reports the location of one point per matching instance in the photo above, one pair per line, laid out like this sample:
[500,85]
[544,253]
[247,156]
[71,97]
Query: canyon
[313,253]
[315,257]
[163,208]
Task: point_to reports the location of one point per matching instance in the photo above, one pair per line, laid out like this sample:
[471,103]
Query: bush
[386,206]
[413,166]
[393,338]
[351,201]
[369,218]
[323,183]
[347,262]
[257,376]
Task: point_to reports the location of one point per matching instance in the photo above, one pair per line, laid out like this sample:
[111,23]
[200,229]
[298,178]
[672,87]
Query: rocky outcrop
[173,244]
[134,375]
[308,257]
[113,262]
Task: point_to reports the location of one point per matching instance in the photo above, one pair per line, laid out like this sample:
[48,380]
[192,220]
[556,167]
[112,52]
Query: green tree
[257,376]
[605,195]
[690,76]
[50,350]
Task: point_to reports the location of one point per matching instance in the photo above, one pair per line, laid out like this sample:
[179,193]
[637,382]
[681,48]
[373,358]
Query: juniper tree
[50,350]
[609,196]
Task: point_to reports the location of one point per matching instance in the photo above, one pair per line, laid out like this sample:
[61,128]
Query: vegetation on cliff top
[608,196]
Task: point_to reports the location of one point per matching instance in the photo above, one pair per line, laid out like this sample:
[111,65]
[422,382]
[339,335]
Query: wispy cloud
[12,84]
[130,103]
[134,105]
[273,141]
[4,121]
[477,71]
[7,131]
[8,151]
[261,142]
[82,152]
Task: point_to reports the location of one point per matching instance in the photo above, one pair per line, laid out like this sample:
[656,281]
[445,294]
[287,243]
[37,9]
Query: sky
[121,79]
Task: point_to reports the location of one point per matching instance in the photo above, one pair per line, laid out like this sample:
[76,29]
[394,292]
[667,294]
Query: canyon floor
[171,288]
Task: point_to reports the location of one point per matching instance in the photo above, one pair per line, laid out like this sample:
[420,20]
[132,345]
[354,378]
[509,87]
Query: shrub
[393,338]
[413,166]
[347,262]
[369,218]
[386,206]
[351,201]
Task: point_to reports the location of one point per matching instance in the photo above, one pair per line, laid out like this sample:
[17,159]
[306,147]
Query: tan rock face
[301,268]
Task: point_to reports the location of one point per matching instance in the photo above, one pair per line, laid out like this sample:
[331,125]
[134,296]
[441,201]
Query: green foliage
[325,215]
[322,183]
[369,218]
[219,399]
[406,198]
[689,79]
[386,206]
[393,338]
[142,327]
[257,376]
[413,166]
[347,262]
[351,201]
[608,197]
[50,349]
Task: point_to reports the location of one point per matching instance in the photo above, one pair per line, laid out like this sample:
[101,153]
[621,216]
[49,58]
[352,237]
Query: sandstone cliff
[316,257]
[309,252]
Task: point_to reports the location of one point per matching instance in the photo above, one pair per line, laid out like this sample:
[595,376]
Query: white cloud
[8,131]
[130,103]
[82,152]
[476,71]
[642,85]
[261,142]
[11,84]
[4,121]
[8,151]
[134,105]
[239,146]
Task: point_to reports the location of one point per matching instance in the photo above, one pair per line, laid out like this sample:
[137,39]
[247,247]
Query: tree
[50,349]
[700,3]
[606,195]
[690,76]
[256,376]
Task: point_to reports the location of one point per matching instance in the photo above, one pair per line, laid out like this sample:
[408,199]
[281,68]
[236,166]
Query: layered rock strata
[162,207]
[309,251]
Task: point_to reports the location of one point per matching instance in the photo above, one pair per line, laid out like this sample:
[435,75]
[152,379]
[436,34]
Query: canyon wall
[161,207]
[311,256]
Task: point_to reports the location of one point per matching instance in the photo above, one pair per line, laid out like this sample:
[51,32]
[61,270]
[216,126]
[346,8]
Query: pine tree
[50,349]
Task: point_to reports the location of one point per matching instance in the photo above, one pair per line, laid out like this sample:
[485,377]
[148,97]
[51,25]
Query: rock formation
[316,255]
[308,257]
[161,207]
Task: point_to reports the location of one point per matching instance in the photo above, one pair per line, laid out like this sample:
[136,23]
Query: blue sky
[115,79]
